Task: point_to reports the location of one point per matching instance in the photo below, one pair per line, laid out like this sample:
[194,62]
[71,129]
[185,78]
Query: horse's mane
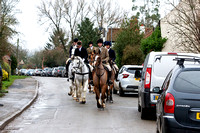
[98,61]
[79,58]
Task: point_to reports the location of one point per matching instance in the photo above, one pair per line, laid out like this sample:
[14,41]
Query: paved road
[56,112]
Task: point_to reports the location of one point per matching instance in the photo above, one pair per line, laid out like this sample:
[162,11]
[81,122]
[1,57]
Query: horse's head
[98,60]
[77,62]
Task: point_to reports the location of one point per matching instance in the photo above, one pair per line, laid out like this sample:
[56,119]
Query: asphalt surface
[56,112]
[21,95]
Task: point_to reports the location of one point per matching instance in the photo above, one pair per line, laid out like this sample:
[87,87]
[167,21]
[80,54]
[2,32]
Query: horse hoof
[74,98]
[104,105]
[77,100]
[83,102]
[69,94]
[102,109]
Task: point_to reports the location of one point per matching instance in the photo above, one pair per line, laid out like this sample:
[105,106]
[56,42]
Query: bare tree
[106,12]
[7,22]
[74,13]
[185,24]
[52,13]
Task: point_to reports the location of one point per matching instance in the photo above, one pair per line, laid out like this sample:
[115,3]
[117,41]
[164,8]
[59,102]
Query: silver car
[38,72]
[128,79]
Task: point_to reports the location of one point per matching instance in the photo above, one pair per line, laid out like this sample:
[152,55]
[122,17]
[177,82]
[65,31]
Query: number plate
[198,116]
[155,98]
[137,78]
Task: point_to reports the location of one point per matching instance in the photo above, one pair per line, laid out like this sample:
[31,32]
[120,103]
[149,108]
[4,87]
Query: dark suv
[178,106]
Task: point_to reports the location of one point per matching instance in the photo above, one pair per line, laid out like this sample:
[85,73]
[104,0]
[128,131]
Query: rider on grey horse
[82,52]
[71,54]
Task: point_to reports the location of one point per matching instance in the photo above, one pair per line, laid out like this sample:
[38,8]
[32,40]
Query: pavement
[21,95]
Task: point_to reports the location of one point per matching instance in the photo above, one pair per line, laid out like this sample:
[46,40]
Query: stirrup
[91,82]
[110,82]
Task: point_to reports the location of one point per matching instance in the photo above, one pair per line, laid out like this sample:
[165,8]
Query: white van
[156,67]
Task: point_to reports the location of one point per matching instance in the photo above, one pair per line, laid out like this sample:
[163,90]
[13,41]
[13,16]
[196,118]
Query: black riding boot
[91,80]
[67,66]
[90,75]
[109,78]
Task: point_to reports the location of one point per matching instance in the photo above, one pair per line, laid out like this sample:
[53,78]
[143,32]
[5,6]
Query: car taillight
[169,103]
[147,82]
[125,75]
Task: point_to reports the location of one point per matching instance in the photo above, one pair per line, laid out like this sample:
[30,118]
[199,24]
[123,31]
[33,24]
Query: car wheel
[139,107]
[114,90]
[144,113]
[121,92]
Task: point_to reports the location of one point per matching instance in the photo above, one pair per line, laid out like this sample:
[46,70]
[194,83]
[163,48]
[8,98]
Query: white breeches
[116,67]
[68,60]
[107,66]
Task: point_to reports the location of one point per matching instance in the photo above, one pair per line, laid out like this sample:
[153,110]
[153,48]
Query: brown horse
[100,82]
[91,62]
[110,88]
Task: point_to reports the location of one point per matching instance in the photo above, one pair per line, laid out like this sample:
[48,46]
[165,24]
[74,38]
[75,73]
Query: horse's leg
[79,88]
[97,97]
[107,92]
[103,92]
[84,91]
[75,91]
[111,92]
[89,87]
[71,89]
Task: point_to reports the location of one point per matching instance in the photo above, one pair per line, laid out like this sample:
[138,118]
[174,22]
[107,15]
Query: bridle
[79,67]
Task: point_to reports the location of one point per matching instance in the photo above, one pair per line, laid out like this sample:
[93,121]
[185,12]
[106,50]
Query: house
[171,25]
[7,59]
[112,33]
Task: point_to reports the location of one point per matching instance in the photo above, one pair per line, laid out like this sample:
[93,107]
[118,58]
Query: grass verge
[6,84]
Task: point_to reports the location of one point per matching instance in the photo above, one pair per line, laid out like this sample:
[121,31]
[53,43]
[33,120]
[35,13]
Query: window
[121,70]
[188,82]
[167,81]
[133,70]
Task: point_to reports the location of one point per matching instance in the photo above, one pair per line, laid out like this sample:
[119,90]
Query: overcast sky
[33,36]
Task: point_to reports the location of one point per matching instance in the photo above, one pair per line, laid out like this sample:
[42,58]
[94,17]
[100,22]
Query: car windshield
[132,70]
[188,82]
[61,68]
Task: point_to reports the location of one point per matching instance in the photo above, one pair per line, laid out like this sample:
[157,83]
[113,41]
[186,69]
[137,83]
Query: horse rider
[91,49]
[112,54]
[71,54]
[82,52]
[103,53]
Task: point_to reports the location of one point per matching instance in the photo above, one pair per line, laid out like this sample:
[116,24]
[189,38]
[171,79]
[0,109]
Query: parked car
[128,79]
[22,71]
[178,107]
[38,72]
[30,72]
[64,72]
[60,69]
[156,67]
[49,72]
[44,72]
[55,72]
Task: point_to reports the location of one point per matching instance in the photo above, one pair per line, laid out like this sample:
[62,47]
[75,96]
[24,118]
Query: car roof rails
[180,61]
